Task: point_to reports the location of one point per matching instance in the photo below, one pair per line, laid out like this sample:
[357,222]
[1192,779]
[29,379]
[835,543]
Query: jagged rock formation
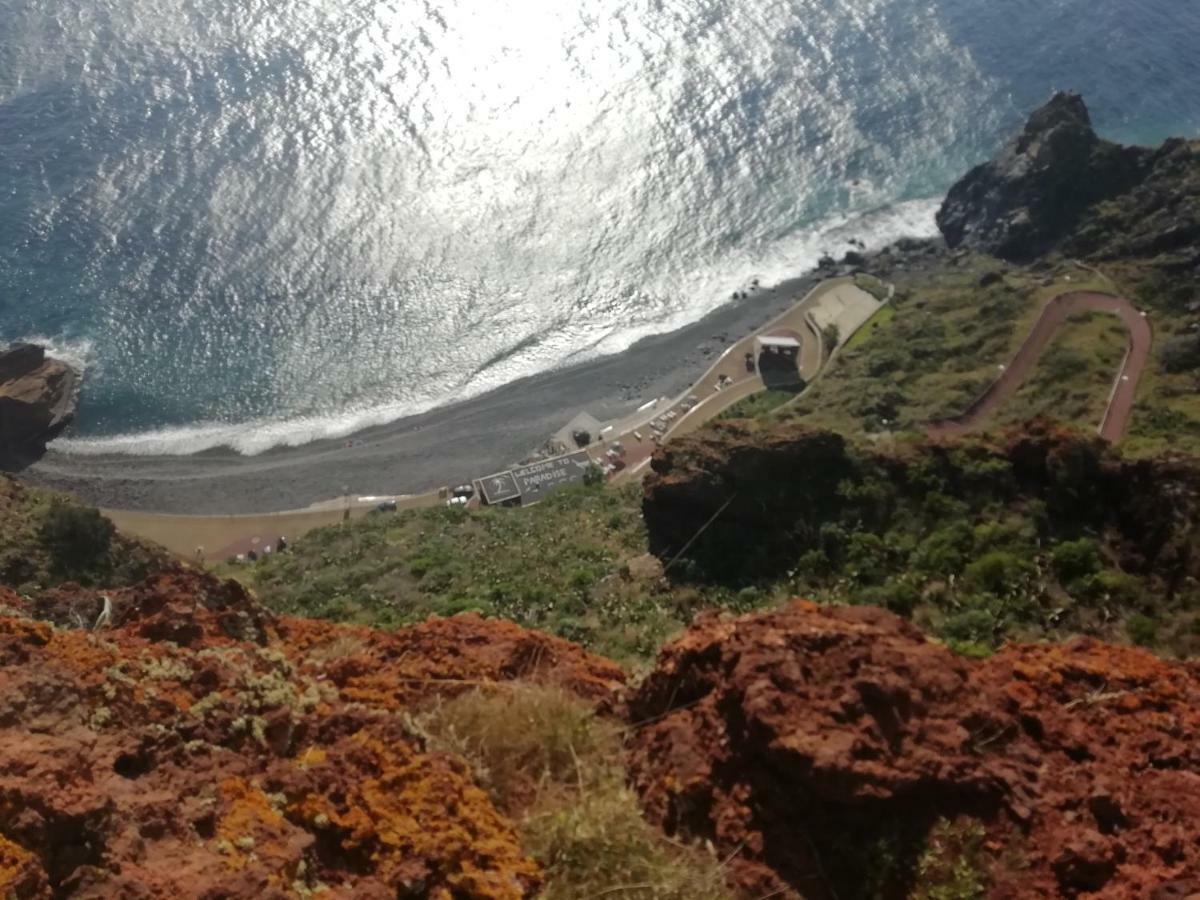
[201,747]
[1048,189]
[815,747]
[37,401]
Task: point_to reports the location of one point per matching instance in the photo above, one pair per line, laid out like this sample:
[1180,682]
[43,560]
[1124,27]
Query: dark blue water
[265,222]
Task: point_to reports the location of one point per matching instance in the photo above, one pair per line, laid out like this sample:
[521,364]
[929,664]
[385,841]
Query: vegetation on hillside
[756,405]
[1074,378]
[953,323]
[978,543]
[951,540]
[937,345]
[47,539]
[575,565]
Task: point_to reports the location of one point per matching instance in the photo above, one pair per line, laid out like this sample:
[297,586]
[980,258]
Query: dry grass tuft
[557,768]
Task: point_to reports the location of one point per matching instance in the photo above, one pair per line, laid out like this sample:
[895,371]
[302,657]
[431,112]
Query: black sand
[415,454]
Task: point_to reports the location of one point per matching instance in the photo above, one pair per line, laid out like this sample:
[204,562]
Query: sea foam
[788,258]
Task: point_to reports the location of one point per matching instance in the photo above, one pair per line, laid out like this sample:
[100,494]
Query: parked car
[464,490]
[386,506]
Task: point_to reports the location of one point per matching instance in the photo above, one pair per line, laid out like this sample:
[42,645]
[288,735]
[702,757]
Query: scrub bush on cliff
[76,537]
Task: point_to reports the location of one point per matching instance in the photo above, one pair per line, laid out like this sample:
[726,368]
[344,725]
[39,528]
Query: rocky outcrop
[817,746]
[763,495]
[37,401]
[1033,194]
[198,746]
[1158,219]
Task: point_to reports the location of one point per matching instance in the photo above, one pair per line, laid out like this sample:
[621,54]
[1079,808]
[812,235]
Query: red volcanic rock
[787,737]
[444,657]
[200,747]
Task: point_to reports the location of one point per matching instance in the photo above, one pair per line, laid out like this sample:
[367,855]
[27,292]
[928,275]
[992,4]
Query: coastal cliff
[1058,186]
[38,396]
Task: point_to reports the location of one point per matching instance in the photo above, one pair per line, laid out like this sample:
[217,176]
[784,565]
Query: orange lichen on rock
[199,746]
[790,736]
[21,875]
[250,831]
[374,798]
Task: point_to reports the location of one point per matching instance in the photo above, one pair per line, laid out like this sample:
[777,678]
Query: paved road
[1053,317]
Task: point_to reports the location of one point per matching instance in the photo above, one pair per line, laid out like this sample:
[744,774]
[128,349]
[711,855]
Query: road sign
[499,488]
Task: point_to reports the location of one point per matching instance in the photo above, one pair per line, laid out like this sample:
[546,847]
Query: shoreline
[419,453]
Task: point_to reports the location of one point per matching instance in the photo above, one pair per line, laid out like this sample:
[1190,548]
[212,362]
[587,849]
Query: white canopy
[790,342]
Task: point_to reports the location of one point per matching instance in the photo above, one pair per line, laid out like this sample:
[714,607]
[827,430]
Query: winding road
[1054,316]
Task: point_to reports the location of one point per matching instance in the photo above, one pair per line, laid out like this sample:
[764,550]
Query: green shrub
[953,866]
[830,337]
[940,507]
[972,649]
[77,537]
[1009,536]
[814,564]
[1075,559]
[866,558]
[1181,354]
[945,551]
[970,626]
[901,597]
[1109,586]
[1142,630]
[1000,573]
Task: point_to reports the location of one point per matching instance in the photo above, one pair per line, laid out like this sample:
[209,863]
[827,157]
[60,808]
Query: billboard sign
[538,480]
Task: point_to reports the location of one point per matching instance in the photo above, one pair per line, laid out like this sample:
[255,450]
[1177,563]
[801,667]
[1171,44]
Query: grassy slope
[30,562]
[1074,378]
[942,344]
[575,565]
[1167,416]
[947,335]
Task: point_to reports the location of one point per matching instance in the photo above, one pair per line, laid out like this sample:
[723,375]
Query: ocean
[266,222]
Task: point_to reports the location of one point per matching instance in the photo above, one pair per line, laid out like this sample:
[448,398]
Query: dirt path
[1054,316]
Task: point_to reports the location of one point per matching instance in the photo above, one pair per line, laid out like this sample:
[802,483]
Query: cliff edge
[1049,188]
[37,401]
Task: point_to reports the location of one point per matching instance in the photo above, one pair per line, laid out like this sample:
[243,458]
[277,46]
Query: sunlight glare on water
[277,220]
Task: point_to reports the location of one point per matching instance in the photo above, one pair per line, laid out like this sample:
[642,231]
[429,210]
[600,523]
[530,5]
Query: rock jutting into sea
[1022,203]
[38,396]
